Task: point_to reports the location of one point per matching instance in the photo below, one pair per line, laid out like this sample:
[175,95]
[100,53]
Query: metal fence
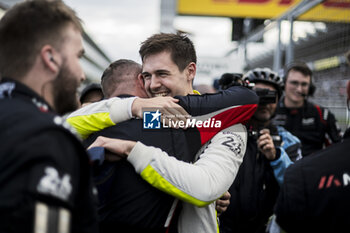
[322,48]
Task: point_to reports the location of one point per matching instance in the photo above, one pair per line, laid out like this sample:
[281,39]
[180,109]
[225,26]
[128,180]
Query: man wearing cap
[90,94]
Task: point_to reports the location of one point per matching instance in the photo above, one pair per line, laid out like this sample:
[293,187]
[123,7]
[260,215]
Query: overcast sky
[119,26]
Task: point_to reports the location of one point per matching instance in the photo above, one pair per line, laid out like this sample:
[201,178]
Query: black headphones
[304,69]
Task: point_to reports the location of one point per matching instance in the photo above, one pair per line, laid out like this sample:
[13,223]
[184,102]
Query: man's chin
[298,99]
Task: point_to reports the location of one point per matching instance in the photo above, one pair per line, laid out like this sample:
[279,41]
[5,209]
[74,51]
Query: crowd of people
[254,156]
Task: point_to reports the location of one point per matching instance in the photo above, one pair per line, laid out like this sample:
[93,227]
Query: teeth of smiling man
[160,94]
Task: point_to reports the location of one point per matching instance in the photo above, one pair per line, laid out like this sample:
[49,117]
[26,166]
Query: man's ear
[191,71]
[49,58]
[141,80]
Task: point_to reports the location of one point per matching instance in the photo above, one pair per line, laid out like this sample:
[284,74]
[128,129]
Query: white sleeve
[119,108]
[97,116]
[202,182]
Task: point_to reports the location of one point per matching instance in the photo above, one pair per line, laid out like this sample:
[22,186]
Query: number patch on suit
[234,146]
[52,184]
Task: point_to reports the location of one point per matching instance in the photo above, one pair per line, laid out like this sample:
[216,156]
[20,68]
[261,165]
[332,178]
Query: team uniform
[221,158]
[223,153]
[310,123]
[315,193]
[45,178]
[256,187]
[127,202]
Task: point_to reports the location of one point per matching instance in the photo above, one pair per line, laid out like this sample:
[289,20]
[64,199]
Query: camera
[228,80]
[276,138]
[266,96]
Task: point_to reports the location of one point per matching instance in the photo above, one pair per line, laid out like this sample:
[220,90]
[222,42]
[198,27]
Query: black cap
[89,88]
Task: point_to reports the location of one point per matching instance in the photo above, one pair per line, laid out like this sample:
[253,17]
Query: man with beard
[270,150]
[45,176]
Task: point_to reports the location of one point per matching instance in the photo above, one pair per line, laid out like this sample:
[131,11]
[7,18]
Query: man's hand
[223,203]
[118,148]
[265,144]
[170,110]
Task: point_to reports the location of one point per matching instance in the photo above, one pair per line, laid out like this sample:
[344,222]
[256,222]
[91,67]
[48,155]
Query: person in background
[270,150]
[314,125]
[90,94]
[205,88]
[316,190]
[45,179]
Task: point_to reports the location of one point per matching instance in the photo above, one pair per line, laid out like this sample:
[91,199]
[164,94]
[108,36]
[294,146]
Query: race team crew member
[270,150]
[59,186]
[311,123]
[45,179]
[315,193]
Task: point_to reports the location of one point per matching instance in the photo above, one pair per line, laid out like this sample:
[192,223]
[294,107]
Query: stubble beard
[65,92]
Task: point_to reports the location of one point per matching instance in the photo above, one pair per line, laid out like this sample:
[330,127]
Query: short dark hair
[179,45]
[28,26]
[299,66]
[120,71]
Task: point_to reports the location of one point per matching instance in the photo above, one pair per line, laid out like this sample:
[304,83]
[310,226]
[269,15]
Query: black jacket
[40,162]
[310,123]
[253,193]
[316,190]
[127,202]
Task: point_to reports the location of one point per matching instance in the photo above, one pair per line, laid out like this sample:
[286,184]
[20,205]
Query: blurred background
[229,36]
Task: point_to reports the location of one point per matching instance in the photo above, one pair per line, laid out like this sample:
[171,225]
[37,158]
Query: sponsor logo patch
[51,183]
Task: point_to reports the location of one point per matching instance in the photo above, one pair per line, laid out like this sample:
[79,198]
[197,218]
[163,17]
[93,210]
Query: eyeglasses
[296,83]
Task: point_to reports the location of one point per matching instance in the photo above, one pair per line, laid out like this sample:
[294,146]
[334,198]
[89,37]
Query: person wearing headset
[315,193]
[315,126]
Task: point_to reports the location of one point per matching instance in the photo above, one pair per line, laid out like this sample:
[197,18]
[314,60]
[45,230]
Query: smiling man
[168,68]
[312,124]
